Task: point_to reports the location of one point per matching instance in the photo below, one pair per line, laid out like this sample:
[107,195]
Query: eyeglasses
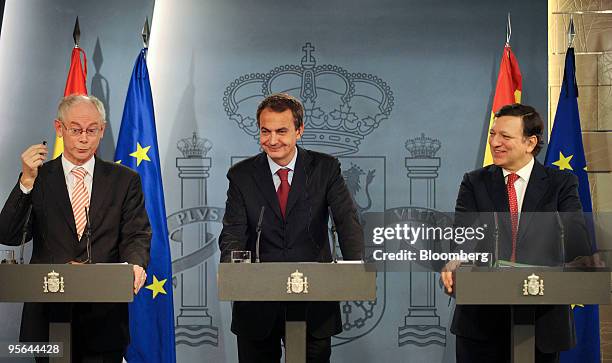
[74,131]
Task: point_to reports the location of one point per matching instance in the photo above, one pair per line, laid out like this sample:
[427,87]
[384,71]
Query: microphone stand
[88,236]
[24,234]
[562,237]
[333,236]
[496,238]
[259,222]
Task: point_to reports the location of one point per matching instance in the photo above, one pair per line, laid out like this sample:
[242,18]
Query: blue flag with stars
[151,313]
[566,152]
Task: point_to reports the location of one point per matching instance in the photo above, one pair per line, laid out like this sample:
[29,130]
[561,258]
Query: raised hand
[31,159]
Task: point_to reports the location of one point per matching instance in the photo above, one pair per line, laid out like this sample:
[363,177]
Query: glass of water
[241,256]
[7,256]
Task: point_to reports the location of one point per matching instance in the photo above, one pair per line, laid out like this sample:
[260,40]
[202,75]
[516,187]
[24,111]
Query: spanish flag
[75,84]
[507,91]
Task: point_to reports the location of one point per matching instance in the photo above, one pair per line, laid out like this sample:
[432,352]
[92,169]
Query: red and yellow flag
[75,84]
[508,90]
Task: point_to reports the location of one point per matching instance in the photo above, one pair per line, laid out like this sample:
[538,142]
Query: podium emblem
[53,283]
[297,283]
[533,287]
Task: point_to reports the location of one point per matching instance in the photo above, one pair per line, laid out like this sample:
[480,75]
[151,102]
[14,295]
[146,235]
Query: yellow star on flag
[140,154]
[118,162]
[157,286]
[563,162]
[574,305]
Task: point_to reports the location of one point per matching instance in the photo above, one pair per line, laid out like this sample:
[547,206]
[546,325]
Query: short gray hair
[72,100]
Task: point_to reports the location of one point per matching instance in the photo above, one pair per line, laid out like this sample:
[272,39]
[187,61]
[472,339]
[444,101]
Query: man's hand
[140,276]
[587,261]
[447,280]
[31,159]
[447,275]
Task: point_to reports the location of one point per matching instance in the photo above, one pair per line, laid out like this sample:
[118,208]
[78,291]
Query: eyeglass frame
[74,131]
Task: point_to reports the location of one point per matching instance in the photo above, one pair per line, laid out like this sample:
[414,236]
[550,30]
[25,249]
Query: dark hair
[279,102]
[532,122]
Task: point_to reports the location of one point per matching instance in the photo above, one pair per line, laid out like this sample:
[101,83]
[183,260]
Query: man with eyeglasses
[59,192]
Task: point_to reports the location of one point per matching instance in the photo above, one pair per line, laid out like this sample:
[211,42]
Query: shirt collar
[88,166]
[274,167]
[523,172]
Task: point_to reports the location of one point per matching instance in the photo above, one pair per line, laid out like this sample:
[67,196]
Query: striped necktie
[79,200]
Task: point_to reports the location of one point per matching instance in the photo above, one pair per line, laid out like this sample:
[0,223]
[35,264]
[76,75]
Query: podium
[55,283]
[523,288]
[296,282]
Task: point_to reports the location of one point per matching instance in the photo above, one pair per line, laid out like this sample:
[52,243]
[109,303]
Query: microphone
[258,230]
[24,233]
[496,238]
[561,236]
[88,235]
[333,235]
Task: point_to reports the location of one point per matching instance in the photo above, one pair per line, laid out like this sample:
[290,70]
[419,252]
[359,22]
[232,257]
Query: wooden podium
[296,282]
[66,284]
[525,287]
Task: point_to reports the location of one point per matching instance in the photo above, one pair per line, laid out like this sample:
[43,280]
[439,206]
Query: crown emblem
[53,283]
[194,147]
[423,147]
[340,108]
[297,283]
[533,287]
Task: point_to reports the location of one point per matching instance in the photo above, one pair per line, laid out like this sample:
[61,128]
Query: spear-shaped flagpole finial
[146,33]
[508,30]
[76,33]
[571,33]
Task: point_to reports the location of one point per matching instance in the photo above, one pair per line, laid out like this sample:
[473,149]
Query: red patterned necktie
[80,199]
[514,214]
[283,189]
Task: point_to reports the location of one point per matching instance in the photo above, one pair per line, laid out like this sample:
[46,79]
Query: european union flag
[566,152]
[151,313]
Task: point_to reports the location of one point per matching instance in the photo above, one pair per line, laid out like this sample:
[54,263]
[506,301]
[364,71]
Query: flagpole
[76,80]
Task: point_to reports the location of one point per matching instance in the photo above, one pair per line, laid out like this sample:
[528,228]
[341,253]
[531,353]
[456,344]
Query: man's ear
[102,128]
[300,132]
[57,124]
[533,141]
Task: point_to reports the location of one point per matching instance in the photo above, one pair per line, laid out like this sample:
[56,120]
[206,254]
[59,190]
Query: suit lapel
[99,190]
[497,189]
[263,180]
[298,183]
[59,192]
[536,188]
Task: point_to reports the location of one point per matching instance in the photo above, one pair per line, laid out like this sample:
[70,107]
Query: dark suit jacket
[120,232]
[303,236]
[538,243]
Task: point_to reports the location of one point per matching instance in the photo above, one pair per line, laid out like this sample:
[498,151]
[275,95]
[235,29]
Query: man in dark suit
[531,201]
[297,187]
[58,192]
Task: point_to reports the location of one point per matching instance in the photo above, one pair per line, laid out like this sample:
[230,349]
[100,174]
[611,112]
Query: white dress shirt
[69,177]
[274,167]
[88,166]
[520,185]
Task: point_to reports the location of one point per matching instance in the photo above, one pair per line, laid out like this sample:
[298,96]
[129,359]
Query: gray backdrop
[400,90]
